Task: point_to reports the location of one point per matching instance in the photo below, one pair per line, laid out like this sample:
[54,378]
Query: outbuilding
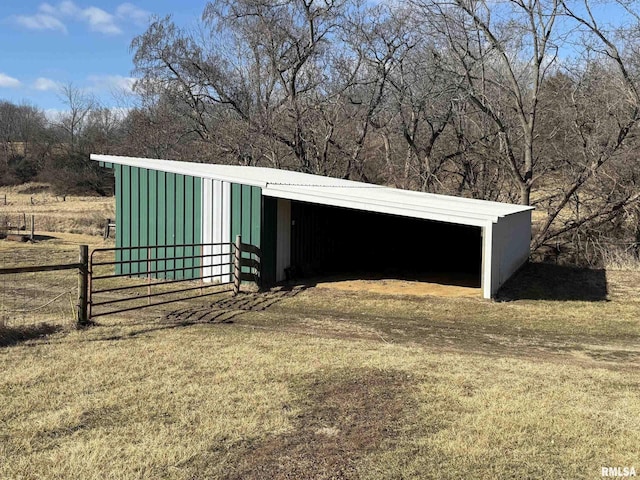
[310,225]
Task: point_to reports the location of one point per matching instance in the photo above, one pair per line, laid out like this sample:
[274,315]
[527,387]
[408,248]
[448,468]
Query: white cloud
[111,82]
[45,84]
[40,21]
[8,82]
[68,8]
[55,17]
[100,21]
[128,11]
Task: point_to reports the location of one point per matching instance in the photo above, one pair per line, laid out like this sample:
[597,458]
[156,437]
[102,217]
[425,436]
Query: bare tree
[503,57]
[79,105]
[606,104]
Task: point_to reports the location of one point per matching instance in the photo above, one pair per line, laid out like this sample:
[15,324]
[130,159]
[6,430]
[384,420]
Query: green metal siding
[152,211]
[119,215]
[158,208]
[246,214]
[179,223]
[123,223]
[161,221]
[170,227]
[135,221]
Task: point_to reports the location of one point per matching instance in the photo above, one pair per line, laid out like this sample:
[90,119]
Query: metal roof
[336,192]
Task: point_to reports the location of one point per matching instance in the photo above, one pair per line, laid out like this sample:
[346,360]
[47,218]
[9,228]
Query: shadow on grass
[13,335]
[221,311]
[226,309]
[42,238]
[545,281]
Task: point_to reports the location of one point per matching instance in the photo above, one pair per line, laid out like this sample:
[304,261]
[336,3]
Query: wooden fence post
[83,282]
[237,268]
[33,228]
[107,227]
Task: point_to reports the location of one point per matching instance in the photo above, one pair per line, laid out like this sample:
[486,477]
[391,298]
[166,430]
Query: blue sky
[86,43]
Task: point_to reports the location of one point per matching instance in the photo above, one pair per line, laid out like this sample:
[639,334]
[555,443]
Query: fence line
[229,269]
[83,269]
[244,264]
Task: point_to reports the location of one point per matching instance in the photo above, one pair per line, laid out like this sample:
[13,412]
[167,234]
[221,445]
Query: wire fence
[16,223]
[33,298]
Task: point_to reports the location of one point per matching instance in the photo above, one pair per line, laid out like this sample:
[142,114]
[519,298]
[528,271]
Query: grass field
[310,382]
[318,383]
[72,214]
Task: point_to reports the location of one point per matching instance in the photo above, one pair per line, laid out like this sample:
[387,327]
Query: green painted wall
[246,214]
[158,208]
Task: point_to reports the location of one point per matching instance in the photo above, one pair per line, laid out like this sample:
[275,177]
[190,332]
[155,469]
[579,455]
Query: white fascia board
[471,207]
[392,209]
[498,208]
[385,200]
[180,168]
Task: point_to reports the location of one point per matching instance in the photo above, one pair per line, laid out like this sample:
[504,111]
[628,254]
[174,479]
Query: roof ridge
[364,185]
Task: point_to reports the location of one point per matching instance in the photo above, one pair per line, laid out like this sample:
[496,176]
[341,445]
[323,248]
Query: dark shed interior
[329,240]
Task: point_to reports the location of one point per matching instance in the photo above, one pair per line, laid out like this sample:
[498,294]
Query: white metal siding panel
[516,231]
[283,238]
[225,228]
[216,227]
[510,249]
[487,261]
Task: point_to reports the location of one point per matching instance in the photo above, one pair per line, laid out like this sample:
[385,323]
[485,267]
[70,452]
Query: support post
[33,228]
[107,227]
[237,268]
[83,283]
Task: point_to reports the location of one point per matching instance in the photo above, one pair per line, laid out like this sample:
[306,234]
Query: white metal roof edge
[420,201]
[216,172]
[173,166]
[351,201]
[509,208]
[378,207]
[462,212]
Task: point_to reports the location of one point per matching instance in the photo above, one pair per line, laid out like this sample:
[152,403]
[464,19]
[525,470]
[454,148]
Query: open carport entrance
[355,244]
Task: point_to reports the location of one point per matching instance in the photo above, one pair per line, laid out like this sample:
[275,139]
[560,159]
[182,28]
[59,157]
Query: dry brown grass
[327,383]
[31,299]
[79,215]
[321,383]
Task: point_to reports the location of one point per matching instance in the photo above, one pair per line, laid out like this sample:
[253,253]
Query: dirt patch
[344,416]
[401,287]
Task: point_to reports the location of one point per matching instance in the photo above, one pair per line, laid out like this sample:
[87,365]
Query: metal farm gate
[123,279]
